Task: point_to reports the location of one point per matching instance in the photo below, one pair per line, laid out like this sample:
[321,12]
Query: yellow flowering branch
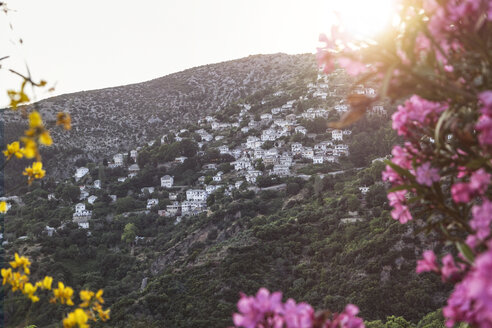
[91,309]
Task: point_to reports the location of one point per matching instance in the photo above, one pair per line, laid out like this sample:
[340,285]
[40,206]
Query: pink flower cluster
[337,46]
[427,175]
[445,19]
[484,125]
[471,300]
[400,210]
[463,192]
[416,113]
[266,310]
[449,271]
[481,219]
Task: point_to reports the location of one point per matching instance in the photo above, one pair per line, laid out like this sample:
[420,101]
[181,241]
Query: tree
[129,233]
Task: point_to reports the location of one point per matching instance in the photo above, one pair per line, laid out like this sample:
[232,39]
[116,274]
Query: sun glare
[362,18]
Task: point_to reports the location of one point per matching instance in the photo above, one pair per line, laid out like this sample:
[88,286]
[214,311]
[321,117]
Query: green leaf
[465,251]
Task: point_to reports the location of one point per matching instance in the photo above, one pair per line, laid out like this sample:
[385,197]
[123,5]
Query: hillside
[116,119]
[258,193]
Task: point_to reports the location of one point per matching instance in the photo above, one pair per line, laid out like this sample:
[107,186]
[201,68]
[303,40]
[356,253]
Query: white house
[210,166]
[49,231]
[271,152]
[296,147]
[91,199]
[173,209]
[122,179]
[253,142]
[150,190]
[245,129]
[318,159]
[307,152]
[81,211]
[364,189]
[83,194]
[336,135]
[281,170]
[210,188]
[133,154]
[224,149]
[330,159]
[197,195]
[269,135]
[266,117]
[167,181]
[80,172]
[134,168]
[276,110]
[180,159]
[218,176]
[118,159]
[97,184]
[242,164]
[173,196]
[341,150]
[341,108]
[252,175]
[152,202]
[300,129]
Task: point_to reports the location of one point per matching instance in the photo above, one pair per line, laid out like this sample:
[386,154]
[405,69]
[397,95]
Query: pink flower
[390,175]
[265,307]
[461,192]
[416,112]
[346,319]
[486,100]
[428,263]
[426,175]
[479,181]
[400,211]
[484,126]
[471,300]
[325,60]
[481,219]
[298,315]
[351,66]
[450,271]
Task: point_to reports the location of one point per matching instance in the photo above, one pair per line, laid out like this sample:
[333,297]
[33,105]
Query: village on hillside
[274,143]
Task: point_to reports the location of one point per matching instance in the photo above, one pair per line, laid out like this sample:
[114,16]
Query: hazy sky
[83,45]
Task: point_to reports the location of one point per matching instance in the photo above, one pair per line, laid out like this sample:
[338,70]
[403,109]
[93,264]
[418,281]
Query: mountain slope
[120,118]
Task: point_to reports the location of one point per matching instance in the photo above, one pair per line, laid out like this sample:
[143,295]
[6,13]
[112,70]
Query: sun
[362,18]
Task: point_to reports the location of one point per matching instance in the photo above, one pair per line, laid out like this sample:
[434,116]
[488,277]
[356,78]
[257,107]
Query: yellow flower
[17,98]
[62,293]
[34,172]
[29,290]
[35,120]
[45,283]
[86,297]
[99,296]
[18,281]
[103,314]
[30,149]
[45,138]
[3,207]
[7,275]
[13,149]
[63,119]
[77,317]
[21,261]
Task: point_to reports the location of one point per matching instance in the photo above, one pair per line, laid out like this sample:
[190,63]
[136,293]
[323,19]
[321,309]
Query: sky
[85,45]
